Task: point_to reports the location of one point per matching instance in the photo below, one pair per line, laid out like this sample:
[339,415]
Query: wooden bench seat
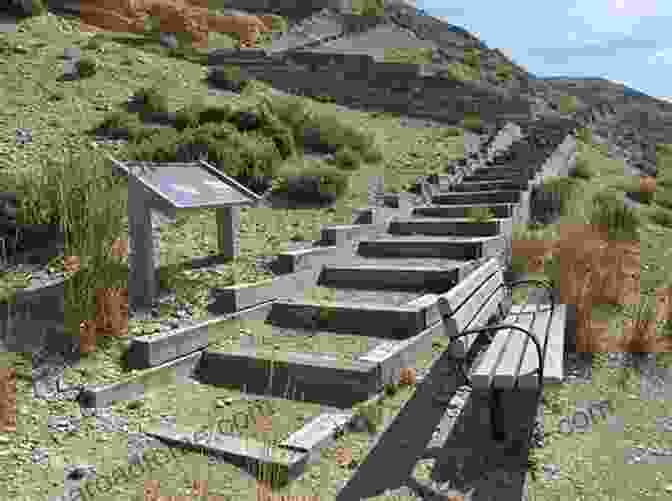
[521,346]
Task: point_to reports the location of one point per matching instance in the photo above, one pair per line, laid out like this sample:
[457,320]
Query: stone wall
[358,81]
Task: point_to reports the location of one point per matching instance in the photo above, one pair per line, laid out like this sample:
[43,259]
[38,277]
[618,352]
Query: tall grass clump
[582,169]
[610,214]
[151,99]
[313,182]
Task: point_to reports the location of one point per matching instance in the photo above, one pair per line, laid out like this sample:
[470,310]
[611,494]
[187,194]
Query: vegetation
[504,72]
[461,72]
[567,104]
[409,56]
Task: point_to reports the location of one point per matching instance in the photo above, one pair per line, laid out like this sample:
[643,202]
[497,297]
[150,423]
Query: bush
[582,169]
[585,135]
[472,122]
[186,118]
[280,133]
[565,186]
[661,216]
[314,183]
[373,8]
[472,58]
[663,198]
[480,214]
[86,67]
[567,104]
[215,114]
[610,213]
[452,132]
[408,55]
[347,159]
[151,99]
[504,72]
[460,72]
[229,77]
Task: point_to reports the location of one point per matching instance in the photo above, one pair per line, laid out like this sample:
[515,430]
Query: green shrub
[215,114]
[38,7]
[661,216]
[567,104]
[582,169]
[118,120]
[278,23]
[663,198]
[249,154]
[480,214]
[371,8]
[315,182]
[610,213]
[664,149]
[280,133]
[347,159]
[460,72]
[472,122]
[324,98]
[585,134]
[408,55]
[504,72]
[151,99]
[452,132]
[472,58]
[86,67]
[565,186]
[186,118]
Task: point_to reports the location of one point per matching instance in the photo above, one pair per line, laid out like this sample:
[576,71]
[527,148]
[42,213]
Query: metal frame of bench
[496,409]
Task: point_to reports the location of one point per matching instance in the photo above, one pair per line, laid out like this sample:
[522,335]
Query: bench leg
[497,416]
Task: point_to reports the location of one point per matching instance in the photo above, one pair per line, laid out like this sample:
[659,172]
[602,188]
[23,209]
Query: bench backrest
[472,303]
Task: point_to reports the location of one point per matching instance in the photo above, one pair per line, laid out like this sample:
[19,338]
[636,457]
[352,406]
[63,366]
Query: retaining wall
[359,81]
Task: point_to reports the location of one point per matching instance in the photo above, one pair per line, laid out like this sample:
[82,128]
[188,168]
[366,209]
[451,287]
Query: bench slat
[527,378]
[465,317]
[555,347]
[451,301]
[506,371]
[480,320]
[483,368]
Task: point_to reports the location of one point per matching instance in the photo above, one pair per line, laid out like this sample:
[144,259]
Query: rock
[168,40]
[71,53]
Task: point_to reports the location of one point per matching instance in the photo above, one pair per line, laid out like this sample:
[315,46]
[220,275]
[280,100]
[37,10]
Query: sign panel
[188,185]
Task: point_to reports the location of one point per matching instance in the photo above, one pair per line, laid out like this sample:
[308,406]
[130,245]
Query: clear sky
[625,41]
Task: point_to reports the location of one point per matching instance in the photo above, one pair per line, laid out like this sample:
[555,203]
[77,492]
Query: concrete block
[240,297]
[483,197]
[442,247]
[310,378]
[281,465]
[150,351]
[500,210]
[387,277]
[136,386]
[387,321]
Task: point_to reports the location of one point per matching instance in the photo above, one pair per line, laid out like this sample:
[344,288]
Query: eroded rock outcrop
[174,16]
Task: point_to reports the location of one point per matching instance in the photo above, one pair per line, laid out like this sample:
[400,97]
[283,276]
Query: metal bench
[509,351]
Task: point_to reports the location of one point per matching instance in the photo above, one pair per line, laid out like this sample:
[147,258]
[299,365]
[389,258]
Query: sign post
[167,188]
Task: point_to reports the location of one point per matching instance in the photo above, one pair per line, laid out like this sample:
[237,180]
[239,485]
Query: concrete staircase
[384,289]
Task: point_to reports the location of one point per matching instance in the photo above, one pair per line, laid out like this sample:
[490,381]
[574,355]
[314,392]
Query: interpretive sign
[167,188]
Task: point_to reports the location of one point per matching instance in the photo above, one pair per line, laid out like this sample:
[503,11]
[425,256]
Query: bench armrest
[497,327]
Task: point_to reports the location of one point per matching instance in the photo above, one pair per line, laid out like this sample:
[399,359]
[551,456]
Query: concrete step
[477,197]
[490,185]
[426,278]
[430,246]
[500,210]
[396,322]
[437,226]
[488,173]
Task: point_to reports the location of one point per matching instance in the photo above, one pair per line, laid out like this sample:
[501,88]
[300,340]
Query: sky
[625,41]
